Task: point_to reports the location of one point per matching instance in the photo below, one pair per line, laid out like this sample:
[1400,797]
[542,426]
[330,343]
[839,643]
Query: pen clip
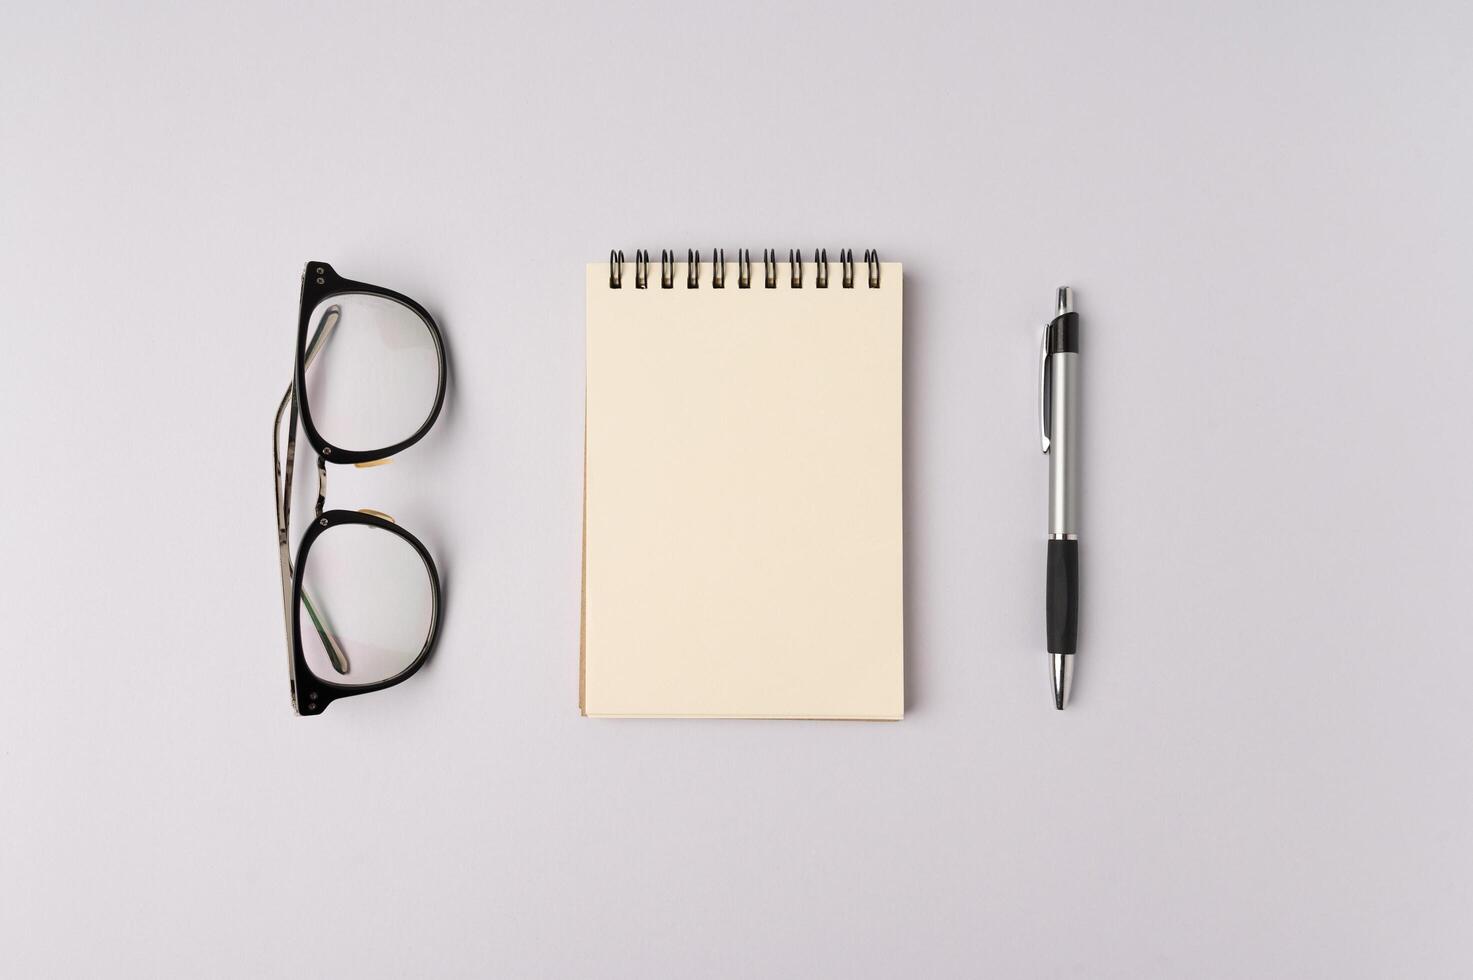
[1045,394]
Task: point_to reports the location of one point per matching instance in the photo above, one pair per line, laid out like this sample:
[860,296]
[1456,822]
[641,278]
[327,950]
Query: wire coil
[744,268]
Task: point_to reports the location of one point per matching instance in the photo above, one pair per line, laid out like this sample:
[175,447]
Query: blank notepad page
[742,497]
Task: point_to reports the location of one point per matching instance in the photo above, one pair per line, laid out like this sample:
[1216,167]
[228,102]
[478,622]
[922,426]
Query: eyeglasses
[370,372]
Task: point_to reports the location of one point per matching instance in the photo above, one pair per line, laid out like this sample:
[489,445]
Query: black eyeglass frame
[310,692]
[320,282]
[317,693]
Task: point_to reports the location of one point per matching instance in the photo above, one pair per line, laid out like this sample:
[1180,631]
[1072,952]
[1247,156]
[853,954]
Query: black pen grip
[1063,595]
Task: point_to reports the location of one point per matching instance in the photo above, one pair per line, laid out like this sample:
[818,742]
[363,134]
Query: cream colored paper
[742,498]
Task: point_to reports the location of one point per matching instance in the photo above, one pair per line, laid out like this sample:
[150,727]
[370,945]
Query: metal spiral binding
[744,268]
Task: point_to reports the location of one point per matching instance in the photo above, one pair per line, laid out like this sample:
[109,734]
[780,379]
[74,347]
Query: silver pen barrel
[1063,468]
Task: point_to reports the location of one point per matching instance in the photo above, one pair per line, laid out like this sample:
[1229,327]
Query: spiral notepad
[742,549]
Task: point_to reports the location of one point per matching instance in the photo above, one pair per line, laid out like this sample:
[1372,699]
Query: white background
[1265,212]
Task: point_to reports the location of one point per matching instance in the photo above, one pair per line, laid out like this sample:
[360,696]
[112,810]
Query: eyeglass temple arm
[283,486]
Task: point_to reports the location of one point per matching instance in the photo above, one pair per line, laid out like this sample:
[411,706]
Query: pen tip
[1063,672]
[1066,301]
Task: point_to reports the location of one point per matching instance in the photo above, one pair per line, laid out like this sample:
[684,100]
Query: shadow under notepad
[912,340]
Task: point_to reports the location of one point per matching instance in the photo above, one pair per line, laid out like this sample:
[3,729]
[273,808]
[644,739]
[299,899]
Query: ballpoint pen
[1058,419]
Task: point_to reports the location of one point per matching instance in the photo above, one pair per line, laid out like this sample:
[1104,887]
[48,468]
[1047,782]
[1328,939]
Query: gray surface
[1265,769]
